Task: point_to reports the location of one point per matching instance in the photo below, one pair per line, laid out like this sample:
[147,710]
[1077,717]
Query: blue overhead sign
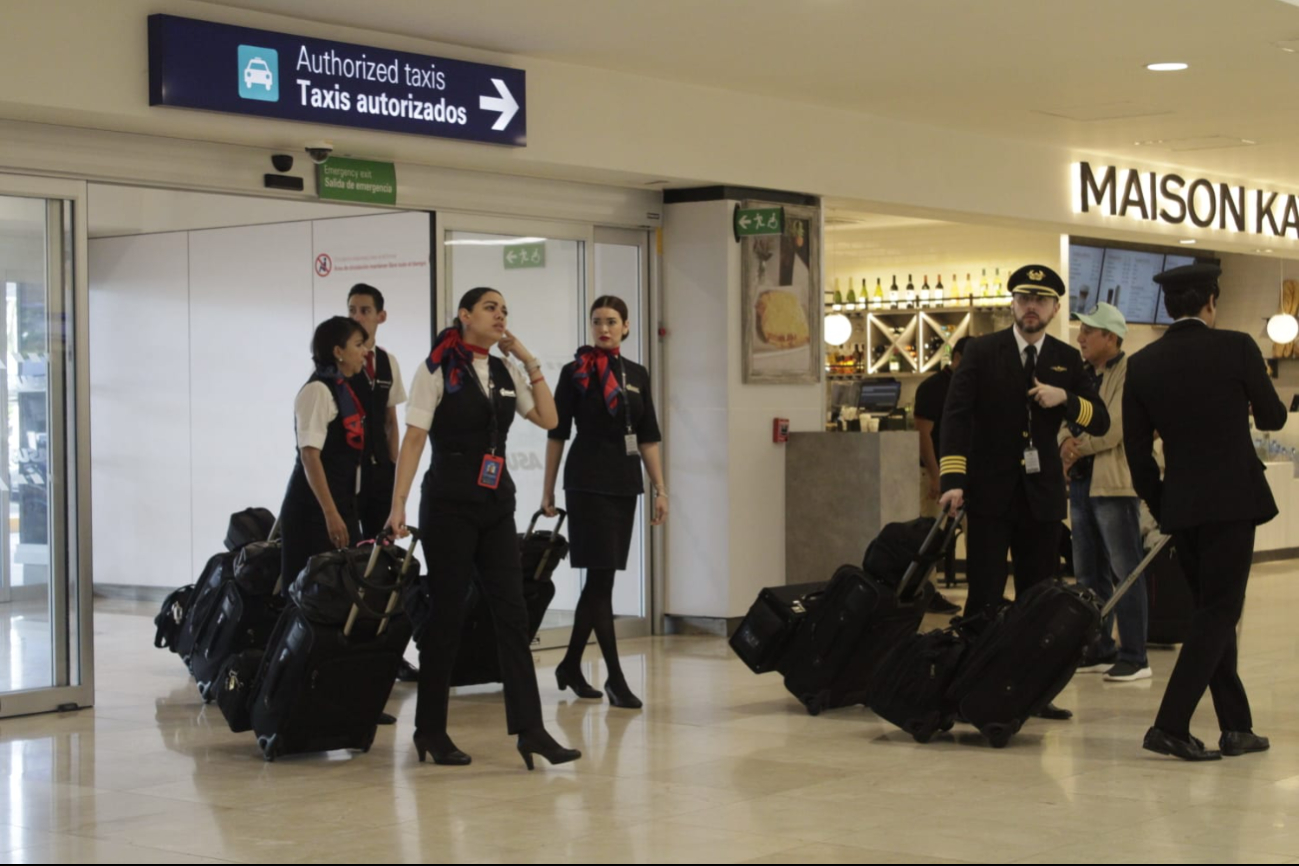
[217,67]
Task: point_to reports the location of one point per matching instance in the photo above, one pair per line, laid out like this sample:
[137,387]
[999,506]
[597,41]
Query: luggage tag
[629,439]
[1032,462]
[489,475]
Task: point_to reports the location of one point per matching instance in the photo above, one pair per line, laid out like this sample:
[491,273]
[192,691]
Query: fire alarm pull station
[780,430]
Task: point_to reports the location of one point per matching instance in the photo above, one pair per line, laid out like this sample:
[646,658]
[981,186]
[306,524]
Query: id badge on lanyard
[493,467]
[630,441]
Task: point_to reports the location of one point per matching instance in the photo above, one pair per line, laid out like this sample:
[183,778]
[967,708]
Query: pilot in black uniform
[1195,388]
[1009,397]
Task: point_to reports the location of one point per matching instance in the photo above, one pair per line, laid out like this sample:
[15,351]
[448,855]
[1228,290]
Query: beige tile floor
[721,766]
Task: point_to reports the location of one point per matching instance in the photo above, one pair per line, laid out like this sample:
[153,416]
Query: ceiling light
[1187,241]
[1166,67]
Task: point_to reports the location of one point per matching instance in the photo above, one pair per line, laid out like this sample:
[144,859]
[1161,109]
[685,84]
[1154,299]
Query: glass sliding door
[44,540]
[549,273]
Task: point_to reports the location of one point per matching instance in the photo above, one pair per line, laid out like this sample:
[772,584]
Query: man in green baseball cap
[1103,505]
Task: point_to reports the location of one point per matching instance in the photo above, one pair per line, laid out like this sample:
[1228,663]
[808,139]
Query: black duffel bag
[895,548]
[257,568]
[247,526]
[331,584]
[540,551]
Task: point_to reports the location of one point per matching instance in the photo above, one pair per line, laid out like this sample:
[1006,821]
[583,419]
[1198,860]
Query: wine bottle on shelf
[998,290]
[838,295]
[851,300]
[911,293]
[895,365]
[969,291]
[864,296]
[925,292]
[877,299]
[983,288]
[939,300]
[893,292]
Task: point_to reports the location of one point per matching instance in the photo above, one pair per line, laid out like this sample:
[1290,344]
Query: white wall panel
[251,322]
[140,405]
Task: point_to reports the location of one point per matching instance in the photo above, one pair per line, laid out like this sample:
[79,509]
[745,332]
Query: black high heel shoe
[621,696]
[539,742]
[443,750]
[568,678]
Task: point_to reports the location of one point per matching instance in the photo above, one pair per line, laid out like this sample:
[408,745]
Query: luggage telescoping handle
[1132,578]
[394,595]
[558,526]
[918,570]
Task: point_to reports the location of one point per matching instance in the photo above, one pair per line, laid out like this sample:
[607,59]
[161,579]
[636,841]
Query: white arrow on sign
[506,105]
[744,222]
[509,256]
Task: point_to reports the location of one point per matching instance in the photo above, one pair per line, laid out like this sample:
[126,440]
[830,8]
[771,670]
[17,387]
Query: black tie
[1029,364]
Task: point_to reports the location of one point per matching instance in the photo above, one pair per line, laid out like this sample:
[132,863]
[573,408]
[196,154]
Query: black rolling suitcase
[332,661]
[541,551]
[911,689]
[764,634]
[202,601]
[477,661]
[836,652]
[1171,603]
[171,617]
[1028,653]
[249,605]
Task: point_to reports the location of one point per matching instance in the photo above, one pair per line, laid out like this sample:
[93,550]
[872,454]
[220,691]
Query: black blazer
[1195,387]
[598,461]
[987,425]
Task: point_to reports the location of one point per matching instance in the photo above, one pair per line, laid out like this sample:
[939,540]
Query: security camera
[282,161]
[319,151]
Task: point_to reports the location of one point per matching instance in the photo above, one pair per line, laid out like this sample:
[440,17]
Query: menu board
[1084,277]
[1170,262]
[1128,282]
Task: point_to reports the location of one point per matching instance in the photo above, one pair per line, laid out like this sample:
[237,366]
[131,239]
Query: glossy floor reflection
[721,766]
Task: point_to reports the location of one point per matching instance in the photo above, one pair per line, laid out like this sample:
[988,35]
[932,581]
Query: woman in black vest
[464,401]
[319,511]
[609,398]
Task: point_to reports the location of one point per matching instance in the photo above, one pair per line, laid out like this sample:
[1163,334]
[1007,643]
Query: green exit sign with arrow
[525,256]
[758,221]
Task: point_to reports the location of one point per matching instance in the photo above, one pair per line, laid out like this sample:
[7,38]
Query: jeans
[1106,548]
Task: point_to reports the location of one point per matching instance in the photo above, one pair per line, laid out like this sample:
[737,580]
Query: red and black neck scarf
[592,362]
[350,408]
[454,357]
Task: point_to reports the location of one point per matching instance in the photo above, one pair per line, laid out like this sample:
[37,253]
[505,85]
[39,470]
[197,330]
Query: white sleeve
[425,395]
[397,395]
[524,401]
[314,409]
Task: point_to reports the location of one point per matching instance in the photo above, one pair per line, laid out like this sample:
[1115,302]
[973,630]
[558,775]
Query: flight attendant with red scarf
[319,513]
[608,397]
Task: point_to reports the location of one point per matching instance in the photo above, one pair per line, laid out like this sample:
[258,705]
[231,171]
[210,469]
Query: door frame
[71,575]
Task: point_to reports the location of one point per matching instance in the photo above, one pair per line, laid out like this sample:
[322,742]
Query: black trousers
[464,542]
[375,499]
[303,530]
[1216,558]
[1034,547]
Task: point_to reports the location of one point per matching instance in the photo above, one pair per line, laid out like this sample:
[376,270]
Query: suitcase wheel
[206,692]
[268,747]
[813,705]
[998,734]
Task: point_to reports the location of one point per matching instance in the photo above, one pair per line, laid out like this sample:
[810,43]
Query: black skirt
[599,528]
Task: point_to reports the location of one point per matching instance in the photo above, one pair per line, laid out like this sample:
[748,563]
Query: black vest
[461,435]
[339,457]
[375,395]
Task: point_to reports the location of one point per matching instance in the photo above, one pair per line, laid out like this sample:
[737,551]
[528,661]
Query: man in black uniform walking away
[1009,397]
[1195,388]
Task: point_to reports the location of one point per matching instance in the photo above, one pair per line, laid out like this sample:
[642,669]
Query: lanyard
[626,398]
[489,391]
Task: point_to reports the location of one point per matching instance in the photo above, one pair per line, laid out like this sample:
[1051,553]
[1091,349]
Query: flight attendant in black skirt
[464,401]
[319,513]
[609,399]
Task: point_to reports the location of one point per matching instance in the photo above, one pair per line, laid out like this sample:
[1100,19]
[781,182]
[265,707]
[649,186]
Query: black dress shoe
[621,696]
[1058,714]
[386,719]
[939,604]
[1235,743]
[407,672]
[570,678]
[442,749]
[1189,749]
[539,742]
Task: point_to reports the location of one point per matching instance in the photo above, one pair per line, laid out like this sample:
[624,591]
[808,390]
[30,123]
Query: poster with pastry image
[782,281]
